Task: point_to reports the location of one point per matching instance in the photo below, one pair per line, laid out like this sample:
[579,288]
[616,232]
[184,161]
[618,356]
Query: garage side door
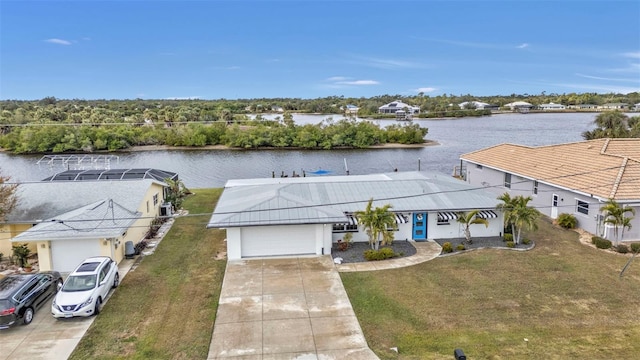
[67,254]
[278,241]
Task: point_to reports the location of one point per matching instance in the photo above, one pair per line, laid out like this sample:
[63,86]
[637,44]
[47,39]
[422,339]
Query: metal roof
[113,174]
[326,199]
[99,220]
[45,200]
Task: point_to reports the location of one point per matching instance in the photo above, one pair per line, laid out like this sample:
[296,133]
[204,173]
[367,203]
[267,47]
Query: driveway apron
[293,308]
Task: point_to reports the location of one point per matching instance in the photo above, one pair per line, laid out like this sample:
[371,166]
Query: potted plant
[21,253]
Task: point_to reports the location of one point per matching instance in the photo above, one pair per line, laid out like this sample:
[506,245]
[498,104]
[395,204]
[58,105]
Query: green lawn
[166,308]
[564,297]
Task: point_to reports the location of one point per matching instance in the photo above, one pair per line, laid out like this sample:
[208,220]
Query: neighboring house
[551,107]
[613,106]
[477,105]
[519,105]
[575,178]
[305,215]
[277,109]
[636,107]
[67,221]
[583,107]
[351,110]
[393,107]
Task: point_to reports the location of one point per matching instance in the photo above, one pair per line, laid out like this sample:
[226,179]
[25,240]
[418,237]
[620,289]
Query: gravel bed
[356,252]
[485,242]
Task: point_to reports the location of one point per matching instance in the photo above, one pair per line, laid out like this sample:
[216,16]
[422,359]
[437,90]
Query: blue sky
[311,49]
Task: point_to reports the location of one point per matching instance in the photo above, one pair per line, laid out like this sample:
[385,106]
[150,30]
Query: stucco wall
[7,231]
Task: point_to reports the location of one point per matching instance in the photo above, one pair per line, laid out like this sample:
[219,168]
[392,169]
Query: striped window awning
[401,218]
[446,216]
[487,214]
[352,220]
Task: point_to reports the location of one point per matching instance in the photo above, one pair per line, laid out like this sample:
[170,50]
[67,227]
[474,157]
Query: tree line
[251,134]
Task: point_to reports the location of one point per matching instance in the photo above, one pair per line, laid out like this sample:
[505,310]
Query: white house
[393,107]
[519,105]
[613,106]
[65,221]
[351,109]
[478,105]
[574,178]
[552,107]
[306,215]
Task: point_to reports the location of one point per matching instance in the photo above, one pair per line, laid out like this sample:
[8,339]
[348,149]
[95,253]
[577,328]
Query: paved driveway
[286,309]
[47,338]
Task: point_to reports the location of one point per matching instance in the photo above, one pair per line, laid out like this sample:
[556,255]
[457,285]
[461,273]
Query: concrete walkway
[293,308]
[425,251]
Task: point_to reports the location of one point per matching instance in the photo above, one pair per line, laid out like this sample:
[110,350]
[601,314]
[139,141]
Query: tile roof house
[306,215]
[67,221]
[575,178]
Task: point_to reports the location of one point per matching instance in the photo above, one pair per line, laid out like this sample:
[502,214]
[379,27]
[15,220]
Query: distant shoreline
[142,148]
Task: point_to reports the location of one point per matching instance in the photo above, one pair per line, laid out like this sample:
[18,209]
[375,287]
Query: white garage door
[67,254]
[277,241]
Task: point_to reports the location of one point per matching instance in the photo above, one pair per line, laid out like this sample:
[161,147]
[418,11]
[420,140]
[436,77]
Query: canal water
[211,168]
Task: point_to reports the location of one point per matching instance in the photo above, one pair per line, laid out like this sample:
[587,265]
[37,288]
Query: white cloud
[604,78]
[58,41]
[522,46]
[337,78]
[635,55]
[425,89]
[359,82]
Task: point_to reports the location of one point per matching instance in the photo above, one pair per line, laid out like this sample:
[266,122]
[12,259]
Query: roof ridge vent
[604,146]
[616,184]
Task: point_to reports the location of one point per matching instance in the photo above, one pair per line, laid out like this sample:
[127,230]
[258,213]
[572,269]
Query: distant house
[277,109]
[66,220]
[613,106]
[551,107]
[583,107]
[306,215]
[477,105]
[636,107]
[519,105]
[575,178]
[351,109]
[393,107]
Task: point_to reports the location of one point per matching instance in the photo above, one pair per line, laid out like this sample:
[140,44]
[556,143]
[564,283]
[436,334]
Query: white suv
[86,287]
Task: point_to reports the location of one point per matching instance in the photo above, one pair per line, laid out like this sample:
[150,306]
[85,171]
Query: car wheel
[116,281]
[27,318]
[58,285]
[96,311]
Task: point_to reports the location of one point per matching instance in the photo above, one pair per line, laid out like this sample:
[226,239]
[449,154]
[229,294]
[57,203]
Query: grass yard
[564,297]
[166,308]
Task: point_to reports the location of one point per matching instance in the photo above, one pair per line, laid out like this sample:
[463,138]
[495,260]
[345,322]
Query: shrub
[567,221]
[508,237]
[622,249]
[635,248]
[381,254]
[602,243]
[526,241]
[447,247]
[460,247]
[511,244]
[21,253]
[594,239]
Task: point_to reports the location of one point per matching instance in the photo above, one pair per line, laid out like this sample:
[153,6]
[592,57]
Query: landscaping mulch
[481,243]
[355,253]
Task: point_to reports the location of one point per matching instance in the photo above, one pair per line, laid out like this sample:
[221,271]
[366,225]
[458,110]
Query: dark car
[22,294]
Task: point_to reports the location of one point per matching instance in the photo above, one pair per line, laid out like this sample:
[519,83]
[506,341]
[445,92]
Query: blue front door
[420,226]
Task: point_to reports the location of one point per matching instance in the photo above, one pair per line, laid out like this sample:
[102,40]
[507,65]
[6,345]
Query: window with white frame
[507,180]
[443,221]
[339,228]
[535,187]
[155,199]
[582,207]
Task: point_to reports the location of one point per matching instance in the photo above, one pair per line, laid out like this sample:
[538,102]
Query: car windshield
[79,283]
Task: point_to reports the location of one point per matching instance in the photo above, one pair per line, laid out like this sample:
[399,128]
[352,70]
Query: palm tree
[176,192]
[469,218]
[518,214]
[377,223]
[614,215]
[506,207]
